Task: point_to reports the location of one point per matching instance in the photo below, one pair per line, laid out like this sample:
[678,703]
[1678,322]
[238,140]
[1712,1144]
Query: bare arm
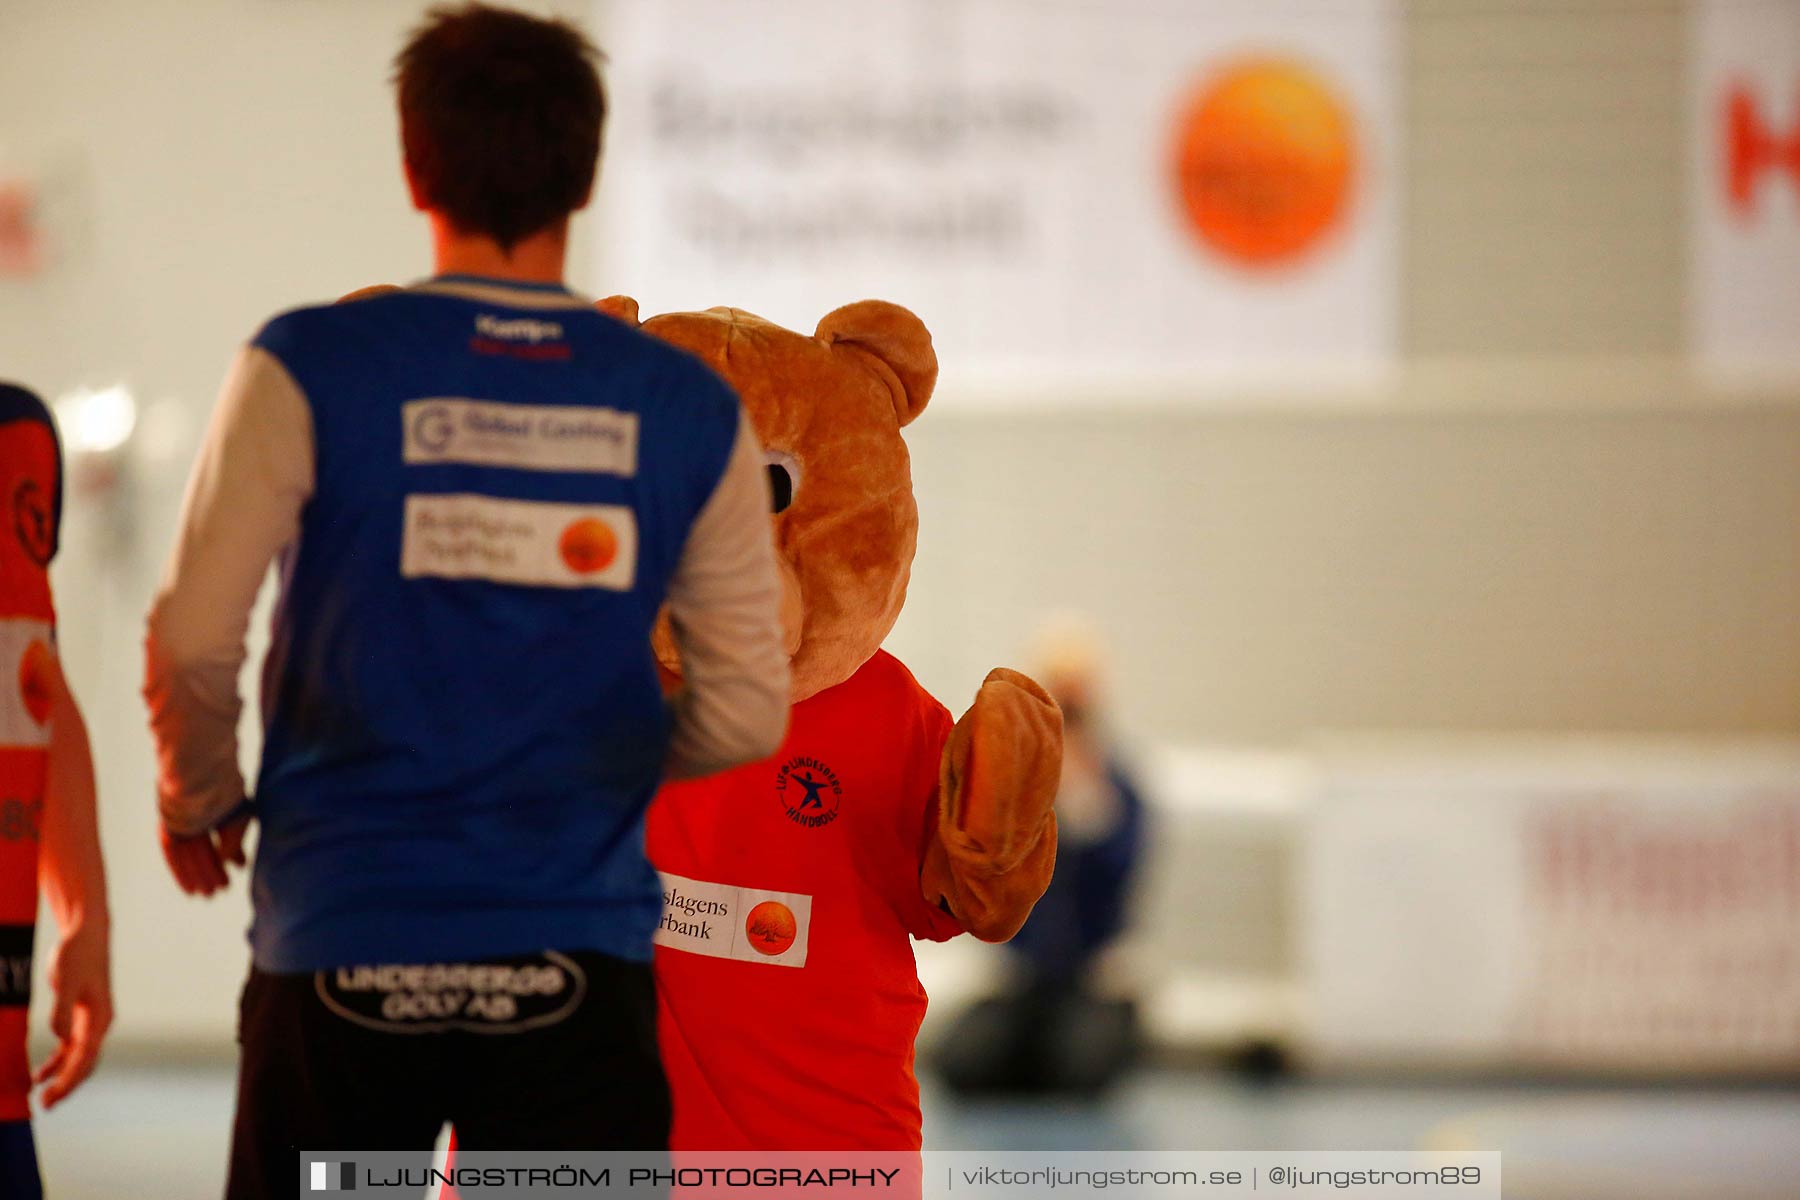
[75,885]
[74,876]
[725,609]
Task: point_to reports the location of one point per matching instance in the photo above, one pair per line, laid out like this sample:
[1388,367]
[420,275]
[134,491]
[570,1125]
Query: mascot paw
[996,841]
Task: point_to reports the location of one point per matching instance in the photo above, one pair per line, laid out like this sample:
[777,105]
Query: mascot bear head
[828,408]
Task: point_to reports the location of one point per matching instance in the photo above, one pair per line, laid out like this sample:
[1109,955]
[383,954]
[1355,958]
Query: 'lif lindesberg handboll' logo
[809,791]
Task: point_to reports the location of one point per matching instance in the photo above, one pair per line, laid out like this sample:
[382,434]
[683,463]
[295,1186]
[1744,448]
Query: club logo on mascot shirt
[809,791]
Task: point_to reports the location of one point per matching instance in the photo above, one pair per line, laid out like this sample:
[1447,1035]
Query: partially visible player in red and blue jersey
[46,803]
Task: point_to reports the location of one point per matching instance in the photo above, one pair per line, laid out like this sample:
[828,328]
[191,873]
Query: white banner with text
[1076,197]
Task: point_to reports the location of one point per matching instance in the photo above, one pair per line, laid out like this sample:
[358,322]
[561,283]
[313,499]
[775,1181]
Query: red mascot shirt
[29,500]
[789,997]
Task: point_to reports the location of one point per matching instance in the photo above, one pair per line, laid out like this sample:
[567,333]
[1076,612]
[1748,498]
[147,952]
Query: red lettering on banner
[1754,149]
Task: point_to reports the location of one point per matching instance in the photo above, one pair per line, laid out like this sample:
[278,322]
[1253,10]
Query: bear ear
[898,342]
[623,308]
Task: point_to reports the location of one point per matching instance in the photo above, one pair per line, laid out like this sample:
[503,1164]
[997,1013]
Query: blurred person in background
[1054,1028]
[481,490]
[48,823]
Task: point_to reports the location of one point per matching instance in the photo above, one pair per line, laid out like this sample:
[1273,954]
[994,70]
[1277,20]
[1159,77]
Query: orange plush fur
[829,407]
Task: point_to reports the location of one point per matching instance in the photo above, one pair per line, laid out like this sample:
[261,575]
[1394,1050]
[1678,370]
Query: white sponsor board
[1621,907]
[528,542]
[723,921]
[1074,196]
[528,437]
[1745,98]
[26,657]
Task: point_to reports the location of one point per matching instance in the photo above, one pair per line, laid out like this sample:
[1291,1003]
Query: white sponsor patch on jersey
[528,437]
[27,660]
[723,921]
[527,542]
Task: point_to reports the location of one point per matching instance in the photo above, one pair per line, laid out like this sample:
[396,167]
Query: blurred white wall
[1539,567]
[1545,525]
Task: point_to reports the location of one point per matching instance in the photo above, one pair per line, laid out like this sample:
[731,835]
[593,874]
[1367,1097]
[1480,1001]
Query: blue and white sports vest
[463,724]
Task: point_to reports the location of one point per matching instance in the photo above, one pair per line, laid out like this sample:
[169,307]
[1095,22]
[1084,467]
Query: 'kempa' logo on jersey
[518,329]
[809,791]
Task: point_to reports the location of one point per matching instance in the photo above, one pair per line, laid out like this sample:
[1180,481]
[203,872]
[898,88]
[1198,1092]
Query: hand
[83,1011]
[198,862]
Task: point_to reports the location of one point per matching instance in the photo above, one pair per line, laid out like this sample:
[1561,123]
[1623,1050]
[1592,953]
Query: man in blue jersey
[479,491]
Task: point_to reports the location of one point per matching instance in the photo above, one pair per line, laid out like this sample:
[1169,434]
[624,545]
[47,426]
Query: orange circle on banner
[36,671]
[770,927]
[588,545]
[1264,157]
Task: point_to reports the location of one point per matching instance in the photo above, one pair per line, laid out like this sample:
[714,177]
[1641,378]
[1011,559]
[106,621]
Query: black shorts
[546,1052]
[18,1162]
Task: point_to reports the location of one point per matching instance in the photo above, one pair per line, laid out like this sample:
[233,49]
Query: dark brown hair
[500,116]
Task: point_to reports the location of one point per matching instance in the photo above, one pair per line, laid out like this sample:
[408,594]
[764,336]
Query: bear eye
[781,487]
[784,479]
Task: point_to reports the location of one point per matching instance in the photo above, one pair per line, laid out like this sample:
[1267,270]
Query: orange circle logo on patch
[1264,159]
[770,927]
[36,670]
[588,545]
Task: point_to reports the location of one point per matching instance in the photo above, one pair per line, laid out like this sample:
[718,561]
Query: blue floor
[159,1133]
